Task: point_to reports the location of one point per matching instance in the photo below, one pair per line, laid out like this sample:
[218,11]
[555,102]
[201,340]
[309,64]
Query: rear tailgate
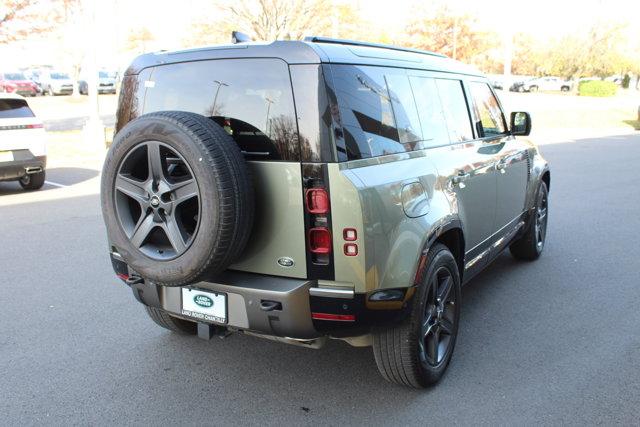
[257,110]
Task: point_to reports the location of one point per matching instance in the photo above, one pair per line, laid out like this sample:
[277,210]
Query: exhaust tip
[33,169]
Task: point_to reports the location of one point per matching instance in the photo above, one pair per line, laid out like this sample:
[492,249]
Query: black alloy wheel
[541,220]
[157,200]
[438,325]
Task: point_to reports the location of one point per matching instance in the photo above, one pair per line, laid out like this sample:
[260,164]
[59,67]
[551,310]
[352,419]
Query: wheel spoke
[174,234]
[433,291]
[184,190]
[427,325]
[446,326]
[155,161]
[432,346]
[132,188]
[445,289]
[142,230]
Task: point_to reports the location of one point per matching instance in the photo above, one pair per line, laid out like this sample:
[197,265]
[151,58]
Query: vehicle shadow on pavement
[70,176]
[55,178]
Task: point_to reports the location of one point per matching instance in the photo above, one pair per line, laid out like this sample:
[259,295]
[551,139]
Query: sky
[170,20]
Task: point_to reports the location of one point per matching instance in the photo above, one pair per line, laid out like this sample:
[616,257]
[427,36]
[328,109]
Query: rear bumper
[302,309]
[23,161]
[26,92]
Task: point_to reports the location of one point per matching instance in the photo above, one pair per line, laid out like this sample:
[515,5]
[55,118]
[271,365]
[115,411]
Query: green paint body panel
[278,230]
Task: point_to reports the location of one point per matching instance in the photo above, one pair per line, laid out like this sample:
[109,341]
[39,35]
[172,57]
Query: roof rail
[317,39]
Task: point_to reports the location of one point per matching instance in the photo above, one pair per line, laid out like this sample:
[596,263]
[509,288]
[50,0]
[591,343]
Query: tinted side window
[377,110]
[250,98]
[455,109]
[314,115]
[14,108]
[489,113]
[434,126]
[404,109]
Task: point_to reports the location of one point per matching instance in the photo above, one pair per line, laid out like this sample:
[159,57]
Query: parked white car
[547,83]
[23,154]
[55,82]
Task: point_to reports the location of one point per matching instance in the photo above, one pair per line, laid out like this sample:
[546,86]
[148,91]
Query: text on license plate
[208,306]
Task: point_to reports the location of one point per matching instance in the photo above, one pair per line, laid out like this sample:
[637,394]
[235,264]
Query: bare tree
[280,19]
[138,39]
[20,19]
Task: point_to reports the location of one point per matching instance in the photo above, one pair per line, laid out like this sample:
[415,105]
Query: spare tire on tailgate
[177,197]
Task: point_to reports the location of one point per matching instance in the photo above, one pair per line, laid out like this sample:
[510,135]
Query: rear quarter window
[377,110]
[14,108]
[250,98]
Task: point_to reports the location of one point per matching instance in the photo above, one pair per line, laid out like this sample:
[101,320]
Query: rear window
[250,98]
[14,108]
[59,76]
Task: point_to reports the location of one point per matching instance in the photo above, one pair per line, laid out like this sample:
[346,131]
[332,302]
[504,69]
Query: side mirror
[520,123]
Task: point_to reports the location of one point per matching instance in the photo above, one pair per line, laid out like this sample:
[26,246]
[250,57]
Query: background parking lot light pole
[94,128]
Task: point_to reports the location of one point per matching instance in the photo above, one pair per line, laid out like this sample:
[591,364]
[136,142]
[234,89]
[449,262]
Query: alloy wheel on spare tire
[177,197]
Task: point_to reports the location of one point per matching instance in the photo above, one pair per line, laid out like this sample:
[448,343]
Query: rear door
[465,163]
[511,156]
[253,101]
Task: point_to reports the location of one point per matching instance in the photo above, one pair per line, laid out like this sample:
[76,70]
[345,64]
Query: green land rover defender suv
[318,189]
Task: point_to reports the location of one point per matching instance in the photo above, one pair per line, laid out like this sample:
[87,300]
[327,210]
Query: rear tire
[33,181]
[416,352]
[529,247]
[174,324]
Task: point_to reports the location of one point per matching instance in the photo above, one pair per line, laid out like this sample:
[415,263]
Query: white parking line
[55,184]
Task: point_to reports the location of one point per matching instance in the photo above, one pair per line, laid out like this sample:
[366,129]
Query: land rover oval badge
[285,261]
[203,301]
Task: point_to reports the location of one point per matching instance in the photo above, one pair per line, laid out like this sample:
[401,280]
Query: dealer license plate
[203,305]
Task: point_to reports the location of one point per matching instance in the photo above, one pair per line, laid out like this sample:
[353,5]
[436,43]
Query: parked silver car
[546,84]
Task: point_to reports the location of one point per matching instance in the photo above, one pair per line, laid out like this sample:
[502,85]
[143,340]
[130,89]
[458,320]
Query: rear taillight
[320,240]
[317,201]
[317,222]
[36,126]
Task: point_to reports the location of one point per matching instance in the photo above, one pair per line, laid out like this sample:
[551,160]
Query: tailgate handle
[266,305]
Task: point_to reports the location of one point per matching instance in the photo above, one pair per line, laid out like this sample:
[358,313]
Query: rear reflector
[350,234]
[123,276]
[350,249]
[334,317]
[317,200]
[320,240]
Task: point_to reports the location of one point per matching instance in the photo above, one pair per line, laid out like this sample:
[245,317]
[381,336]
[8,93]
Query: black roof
[313,50]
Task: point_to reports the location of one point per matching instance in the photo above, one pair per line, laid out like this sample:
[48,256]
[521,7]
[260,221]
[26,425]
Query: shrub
[597,88]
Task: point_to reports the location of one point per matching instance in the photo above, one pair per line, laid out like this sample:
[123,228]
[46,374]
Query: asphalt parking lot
[556,341]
